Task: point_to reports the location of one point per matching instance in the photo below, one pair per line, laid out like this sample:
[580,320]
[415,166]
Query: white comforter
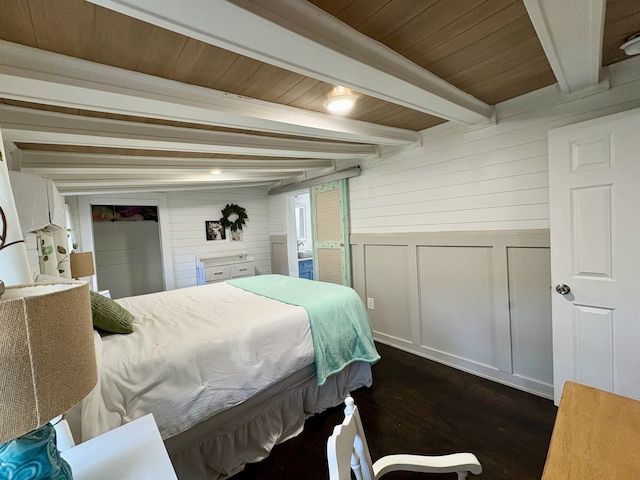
[194,352]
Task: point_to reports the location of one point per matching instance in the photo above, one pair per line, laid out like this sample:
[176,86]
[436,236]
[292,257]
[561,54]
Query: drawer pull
[242,269]
[218,273]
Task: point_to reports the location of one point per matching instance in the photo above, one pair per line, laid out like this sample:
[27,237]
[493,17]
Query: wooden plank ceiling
[487,49]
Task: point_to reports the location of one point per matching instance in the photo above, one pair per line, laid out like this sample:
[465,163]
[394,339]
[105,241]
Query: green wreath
[230,210]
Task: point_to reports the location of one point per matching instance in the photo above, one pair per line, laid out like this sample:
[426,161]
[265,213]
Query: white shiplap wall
[487,178]
[188,212]
[74,218]
[33,253]
[277,214]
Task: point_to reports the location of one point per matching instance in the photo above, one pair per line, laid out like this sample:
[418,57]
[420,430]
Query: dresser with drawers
[217,268]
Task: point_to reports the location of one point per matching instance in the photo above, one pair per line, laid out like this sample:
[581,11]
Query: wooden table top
[596,436]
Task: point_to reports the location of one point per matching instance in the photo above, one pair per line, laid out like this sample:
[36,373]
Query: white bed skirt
[220,446]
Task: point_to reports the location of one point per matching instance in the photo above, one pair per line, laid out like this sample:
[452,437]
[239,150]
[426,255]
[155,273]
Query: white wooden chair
[347,450]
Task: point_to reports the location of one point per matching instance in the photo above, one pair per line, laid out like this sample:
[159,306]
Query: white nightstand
[132,451]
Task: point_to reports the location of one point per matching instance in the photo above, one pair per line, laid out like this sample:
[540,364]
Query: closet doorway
[127,251]
[129,238]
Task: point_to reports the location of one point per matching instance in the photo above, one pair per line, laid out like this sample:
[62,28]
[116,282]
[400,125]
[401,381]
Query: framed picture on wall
[214,230]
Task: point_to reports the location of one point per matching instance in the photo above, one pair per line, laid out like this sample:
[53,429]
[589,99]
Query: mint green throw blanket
[340,327]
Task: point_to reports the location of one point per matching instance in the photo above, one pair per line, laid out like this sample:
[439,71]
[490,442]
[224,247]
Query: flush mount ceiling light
[632,45]
[216,172]
[340,100]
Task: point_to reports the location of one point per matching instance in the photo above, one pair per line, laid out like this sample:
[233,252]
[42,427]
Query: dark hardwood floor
[419,406]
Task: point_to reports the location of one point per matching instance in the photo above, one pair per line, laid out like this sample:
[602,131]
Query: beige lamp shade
[81,264]
[47,355]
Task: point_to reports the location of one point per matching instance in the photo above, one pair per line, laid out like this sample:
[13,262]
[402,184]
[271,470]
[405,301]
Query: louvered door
[330,221]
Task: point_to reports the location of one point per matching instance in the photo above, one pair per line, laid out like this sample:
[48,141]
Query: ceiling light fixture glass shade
[340,100]
[632,45]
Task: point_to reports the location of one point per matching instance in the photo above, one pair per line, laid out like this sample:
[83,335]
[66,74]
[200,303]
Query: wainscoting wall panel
[456,302]
[387,286]
[530,309]
[478,301]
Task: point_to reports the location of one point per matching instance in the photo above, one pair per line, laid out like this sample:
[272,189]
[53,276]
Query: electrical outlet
[370,304]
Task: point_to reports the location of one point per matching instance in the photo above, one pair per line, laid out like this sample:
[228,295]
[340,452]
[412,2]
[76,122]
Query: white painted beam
[571,33]
[36,126]
[33,75]
[159,184]
[13,155]
[67,161]
[302,38]
[54,172]
[68,190]
[158,178]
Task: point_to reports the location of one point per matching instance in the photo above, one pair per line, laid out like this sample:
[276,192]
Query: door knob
[563,289]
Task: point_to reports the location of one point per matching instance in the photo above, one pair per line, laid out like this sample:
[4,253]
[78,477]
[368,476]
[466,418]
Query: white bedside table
[132,451]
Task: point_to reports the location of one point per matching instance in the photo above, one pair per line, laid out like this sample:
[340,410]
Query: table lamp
[81,264]
[47,365]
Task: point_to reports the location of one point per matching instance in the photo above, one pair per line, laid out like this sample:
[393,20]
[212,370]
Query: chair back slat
[347,448]
[347,451]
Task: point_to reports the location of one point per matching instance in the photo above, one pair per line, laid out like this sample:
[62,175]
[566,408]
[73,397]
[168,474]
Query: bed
[229,369]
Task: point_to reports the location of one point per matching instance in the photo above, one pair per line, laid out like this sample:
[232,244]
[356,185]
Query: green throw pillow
[110,316]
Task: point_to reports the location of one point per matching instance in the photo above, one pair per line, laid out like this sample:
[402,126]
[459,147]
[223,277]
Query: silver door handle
[563,289]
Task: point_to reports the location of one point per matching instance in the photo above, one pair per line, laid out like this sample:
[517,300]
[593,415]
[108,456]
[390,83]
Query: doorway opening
[317,222]
[127,249]
[301,235]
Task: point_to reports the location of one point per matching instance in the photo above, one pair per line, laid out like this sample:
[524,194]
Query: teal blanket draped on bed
[340,327]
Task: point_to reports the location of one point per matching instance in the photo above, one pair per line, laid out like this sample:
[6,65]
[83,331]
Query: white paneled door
[594,188]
